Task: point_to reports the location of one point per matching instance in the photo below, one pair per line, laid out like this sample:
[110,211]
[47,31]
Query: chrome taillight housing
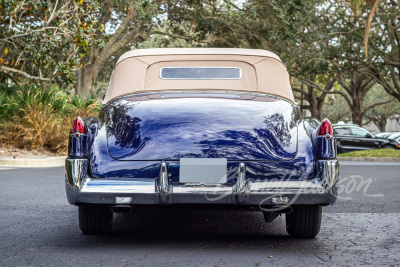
[325,141]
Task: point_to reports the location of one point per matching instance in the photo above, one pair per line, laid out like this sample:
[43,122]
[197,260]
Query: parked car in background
[206,126]
[351,137]
[383,135]
[394,136]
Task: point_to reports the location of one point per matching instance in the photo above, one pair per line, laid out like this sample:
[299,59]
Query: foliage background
[56,56]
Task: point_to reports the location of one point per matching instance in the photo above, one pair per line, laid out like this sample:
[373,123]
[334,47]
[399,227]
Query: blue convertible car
[216,127]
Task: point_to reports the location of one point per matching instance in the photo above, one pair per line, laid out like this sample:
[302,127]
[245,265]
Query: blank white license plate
[203,170]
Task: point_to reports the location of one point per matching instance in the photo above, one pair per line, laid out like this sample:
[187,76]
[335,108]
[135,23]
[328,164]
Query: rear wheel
[95,219]
[304,221]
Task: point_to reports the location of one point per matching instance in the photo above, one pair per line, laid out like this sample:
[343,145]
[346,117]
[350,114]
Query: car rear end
[231,149]
[201,126]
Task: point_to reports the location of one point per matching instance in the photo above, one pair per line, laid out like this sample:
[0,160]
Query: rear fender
[323,147]
[80,146]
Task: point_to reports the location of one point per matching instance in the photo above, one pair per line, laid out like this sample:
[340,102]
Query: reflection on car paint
[280,138]
[170,129]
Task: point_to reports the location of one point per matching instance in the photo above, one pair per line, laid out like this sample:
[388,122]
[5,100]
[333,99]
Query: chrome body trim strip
[117,186]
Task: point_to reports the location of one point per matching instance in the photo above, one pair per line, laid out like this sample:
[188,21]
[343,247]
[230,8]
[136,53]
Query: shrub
[35,119]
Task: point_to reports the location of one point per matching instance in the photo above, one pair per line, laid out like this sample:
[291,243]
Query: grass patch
[379,153]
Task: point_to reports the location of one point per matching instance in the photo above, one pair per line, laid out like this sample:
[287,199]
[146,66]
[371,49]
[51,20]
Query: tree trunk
[85,79]
[357,117]
[78,84]
[316,103]
[123,35]
[320,107]
[357,112]
[312,101]
[382,125]
[357,89]
[357,109]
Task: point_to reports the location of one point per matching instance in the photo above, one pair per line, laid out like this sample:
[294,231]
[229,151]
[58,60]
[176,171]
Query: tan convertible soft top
[138,71]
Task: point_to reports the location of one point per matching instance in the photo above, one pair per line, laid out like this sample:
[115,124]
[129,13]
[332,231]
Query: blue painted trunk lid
[174,128]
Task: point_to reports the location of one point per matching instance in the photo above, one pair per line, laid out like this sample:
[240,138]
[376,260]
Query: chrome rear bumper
[81,188]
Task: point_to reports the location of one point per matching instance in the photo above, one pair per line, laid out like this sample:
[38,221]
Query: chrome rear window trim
[236,78]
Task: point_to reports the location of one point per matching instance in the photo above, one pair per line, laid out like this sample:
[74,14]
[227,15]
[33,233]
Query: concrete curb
[33,163]
[383,159]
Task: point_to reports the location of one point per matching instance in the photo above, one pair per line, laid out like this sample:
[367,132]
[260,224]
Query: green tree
[380,113]
[153,41]
[344,53]
[43,41]
[292,29]
[314,93]
[355,7]
[71,40]
[336,109]
[130,23]
[385,47]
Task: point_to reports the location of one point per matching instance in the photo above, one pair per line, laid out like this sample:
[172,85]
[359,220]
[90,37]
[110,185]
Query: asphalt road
[39,228]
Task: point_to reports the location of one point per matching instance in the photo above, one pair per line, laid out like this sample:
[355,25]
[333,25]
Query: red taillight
[325,129]
[78,127]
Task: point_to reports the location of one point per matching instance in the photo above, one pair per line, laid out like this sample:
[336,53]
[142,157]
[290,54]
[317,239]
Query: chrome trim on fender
[328,172]
[76,171]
